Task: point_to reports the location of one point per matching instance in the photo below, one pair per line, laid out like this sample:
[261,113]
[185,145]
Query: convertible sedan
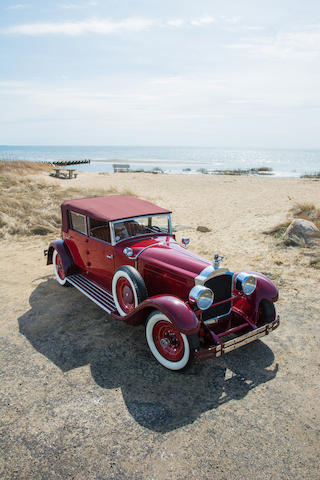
[121,253]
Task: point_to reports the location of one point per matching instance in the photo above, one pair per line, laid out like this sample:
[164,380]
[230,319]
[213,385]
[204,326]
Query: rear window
[78,222]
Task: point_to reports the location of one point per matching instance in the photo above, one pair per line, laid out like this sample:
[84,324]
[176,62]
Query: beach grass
[306,211]
[30,205]
[315,175]
[249,171]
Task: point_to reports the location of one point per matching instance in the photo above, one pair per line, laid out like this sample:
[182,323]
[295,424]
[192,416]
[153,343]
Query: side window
[100,230]
[78,222]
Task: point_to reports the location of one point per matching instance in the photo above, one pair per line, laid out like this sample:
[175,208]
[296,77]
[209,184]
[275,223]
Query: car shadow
[68,329]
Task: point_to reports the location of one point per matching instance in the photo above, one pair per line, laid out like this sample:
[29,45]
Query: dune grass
[250,171]
[29,204]
[314,175]
[308,211]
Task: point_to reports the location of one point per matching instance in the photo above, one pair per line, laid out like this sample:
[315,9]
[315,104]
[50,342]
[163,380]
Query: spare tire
[128,289]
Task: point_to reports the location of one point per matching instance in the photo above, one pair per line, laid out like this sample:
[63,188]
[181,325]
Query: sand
[82,396]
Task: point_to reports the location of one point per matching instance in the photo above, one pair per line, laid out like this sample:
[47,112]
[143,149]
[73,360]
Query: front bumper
[226,347]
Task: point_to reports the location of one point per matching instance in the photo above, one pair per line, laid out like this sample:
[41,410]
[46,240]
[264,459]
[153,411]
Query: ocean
[284,163]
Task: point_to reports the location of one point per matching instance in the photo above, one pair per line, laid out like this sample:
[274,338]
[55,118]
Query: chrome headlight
[246,283]
[203,296]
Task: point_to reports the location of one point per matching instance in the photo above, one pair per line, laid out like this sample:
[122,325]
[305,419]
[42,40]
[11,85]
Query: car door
[77,239]
[100,255]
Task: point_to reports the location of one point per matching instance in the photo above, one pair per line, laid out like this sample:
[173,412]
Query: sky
[230,74]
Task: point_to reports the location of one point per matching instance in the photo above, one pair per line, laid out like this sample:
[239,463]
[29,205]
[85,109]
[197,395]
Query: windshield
[148,225]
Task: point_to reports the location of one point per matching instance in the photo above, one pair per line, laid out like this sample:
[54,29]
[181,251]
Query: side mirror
[185,241]
[128,251]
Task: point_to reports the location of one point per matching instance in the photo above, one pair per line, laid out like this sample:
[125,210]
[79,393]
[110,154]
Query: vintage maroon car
[121,253]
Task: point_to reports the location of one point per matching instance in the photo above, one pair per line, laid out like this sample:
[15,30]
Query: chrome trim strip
[219,350]
[80,282]
[210,321]
[113,238]
[112,223]
[249,337]
[145,248]
[94,290]
[125,219]
[210,272]
[245,341]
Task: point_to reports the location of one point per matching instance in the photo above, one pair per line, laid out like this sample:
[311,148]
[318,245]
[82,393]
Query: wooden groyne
[64,163]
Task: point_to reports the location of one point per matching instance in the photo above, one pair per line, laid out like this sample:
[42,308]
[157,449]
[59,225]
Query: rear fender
[68,264]
[177,311]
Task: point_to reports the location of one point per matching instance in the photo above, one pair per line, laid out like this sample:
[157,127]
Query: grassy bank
[30,205]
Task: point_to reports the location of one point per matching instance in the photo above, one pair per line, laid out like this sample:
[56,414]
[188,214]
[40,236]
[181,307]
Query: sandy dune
[81,395]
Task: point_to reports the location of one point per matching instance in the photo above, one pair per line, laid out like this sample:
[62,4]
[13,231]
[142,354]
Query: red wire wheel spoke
[60,267]
[125,295]
[168,341]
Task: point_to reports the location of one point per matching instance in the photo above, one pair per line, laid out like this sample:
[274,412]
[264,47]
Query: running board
[97,294]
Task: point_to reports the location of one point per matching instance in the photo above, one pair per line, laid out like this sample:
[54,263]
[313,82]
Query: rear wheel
[168,345]
[58,269]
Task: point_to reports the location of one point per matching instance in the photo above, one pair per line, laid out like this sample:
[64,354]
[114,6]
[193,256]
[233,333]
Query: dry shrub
[313,175]
[278,230]
[315,262]
[308,211]
[31,206]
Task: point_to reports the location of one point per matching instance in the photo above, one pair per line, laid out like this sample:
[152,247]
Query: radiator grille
[222,289]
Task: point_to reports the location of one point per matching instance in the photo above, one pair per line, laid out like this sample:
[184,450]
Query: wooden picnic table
[65,173]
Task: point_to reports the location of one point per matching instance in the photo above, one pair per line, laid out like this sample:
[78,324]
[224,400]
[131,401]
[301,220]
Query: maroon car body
[121,253]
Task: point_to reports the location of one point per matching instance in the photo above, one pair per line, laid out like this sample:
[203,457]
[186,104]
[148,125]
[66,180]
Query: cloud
[77,6]
[103,27]
[232,20]
[293,45]
[178,22]
[106,26]
[18,6]
[206,20]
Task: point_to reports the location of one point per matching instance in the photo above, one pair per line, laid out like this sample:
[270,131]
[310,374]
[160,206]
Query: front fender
[173,307]
[68,264]
[265,290]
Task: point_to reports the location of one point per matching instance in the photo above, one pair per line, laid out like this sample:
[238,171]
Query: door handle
[109,256]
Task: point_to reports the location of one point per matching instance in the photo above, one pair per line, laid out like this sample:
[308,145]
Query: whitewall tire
[168,345]
[58,269]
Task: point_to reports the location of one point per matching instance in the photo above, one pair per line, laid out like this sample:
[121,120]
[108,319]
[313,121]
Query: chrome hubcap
[164,342]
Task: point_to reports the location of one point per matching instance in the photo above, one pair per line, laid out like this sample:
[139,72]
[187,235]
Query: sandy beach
[82,396]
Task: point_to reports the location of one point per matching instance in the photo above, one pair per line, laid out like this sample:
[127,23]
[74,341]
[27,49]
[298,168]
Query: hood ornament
[217,260]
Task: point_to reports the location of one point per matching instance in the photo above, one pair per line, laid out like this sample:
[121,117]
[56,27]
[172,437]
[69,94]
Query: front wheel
[168,345]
